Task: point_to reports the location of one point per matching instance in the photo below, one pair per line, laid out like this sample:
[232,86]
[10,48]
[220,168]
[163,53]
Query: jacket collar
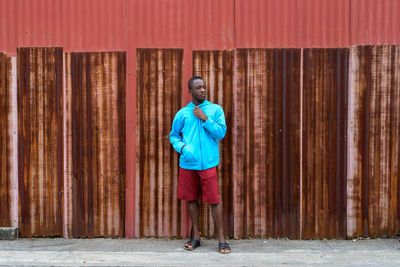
[205,103]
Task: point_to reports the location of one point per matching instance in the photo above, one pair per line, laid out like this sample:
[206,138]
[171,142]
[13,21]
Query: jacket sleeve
[175,135]
[216,127]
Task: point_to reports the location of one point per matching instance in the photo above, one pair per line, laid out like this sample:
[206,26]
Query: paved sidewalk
[170,252]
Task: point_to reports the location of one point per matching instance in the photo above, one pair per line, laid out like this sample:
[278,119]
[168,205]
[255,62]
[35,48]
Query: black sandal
[224,246]
[192,242]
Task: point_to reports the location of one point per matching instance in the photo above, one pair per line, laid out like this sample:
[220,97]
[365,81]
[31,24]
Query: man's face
[199,90]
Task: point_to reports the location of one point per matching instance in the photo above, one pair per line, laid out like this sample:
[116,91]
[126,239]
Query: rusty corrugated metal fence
[373,191]
[5,140]
[67,141]
[95,156]
[325,167]
[324,121]
[217,69]
[266,154]
[159,91]
[311,150]
[40,141]
[285,168]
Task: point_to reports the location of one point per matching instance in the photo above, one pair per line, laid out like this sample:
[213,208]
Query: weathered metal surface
[159,94]
[373,150]
[8,142]
[325,75]
[226,24]
[95,144]
[5,141]
[40,141]
[169,24]
[216,68]
[266,141]
[259,90]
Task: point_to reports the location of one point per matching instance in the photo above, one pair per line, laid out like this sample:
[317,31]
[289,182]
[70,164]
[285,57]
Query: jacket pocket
[188,153]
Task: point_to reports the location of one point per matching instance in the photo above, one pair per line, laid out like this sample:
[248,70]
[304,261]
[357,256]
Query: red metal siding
[40,141]
[291,23]
[96,143]
[158,211]
[74,24]
[324,100]
[118,24]
[5,141]
[185,24]
[373,183]
[374,22]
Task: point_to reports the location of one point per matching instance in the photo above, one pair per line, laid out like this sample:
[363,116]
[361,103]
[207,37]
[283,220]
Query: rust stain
[216,68]
[266,142]
[259,90]
[40,141]
[5,141]
[374,188]
[95,145]
[158,96]
[325,77]
[348,104]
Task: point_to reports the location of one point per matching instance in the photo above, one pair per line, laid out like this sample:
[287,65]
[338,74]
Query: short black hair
[190,83]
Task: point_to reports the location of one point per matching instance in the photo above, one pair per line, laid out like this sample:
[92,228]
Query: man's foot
[192,244]
[224,248]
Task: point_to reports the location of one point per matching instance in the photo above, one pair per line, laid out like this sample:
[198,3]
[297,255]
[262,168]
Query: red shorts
[188,185]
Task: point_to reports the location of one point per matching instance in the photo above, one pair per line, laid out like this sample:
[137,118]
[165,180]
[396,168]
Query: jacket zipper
[201,156]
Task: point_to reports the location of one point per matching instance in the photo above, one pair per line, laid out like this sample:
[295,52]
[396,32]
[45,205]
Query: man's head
[197,88]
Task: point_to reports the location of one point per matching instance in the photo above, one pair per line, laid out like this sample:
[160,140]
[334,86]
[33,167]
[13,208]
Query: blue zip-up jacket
[200,138]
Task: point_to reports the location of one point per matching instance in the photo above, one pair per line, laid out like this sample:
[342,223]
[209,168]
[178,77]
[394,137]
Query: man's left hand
[199,113]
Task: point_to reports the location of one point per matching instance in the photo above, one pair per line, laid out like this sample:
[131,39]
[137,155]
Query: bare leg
[194,216]
[216,210]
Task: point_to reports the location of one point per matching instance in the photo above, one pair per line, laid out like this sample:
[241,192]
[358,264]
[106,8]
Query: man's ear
[190,91]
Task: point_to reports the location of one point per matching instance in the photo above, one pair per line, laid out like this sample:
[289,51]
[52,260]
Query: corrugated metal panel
[159,94]
[374,22]
[205,24]
[94,25]
[95,152]
[5,140]
[288,23]
[374,134]
[265,162]
[259,90]
[216,68]
[324,143]
[74,24]
[104,24]
[226,24]
[266,138]
[40,141]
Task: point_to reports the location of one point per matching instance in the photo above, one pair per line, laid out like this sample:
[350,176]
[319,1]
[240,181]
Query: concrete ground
[170,252]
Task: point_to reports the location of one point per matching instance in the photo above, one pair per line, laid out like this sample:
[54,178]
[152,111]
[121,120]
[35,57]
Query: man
[195,133]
